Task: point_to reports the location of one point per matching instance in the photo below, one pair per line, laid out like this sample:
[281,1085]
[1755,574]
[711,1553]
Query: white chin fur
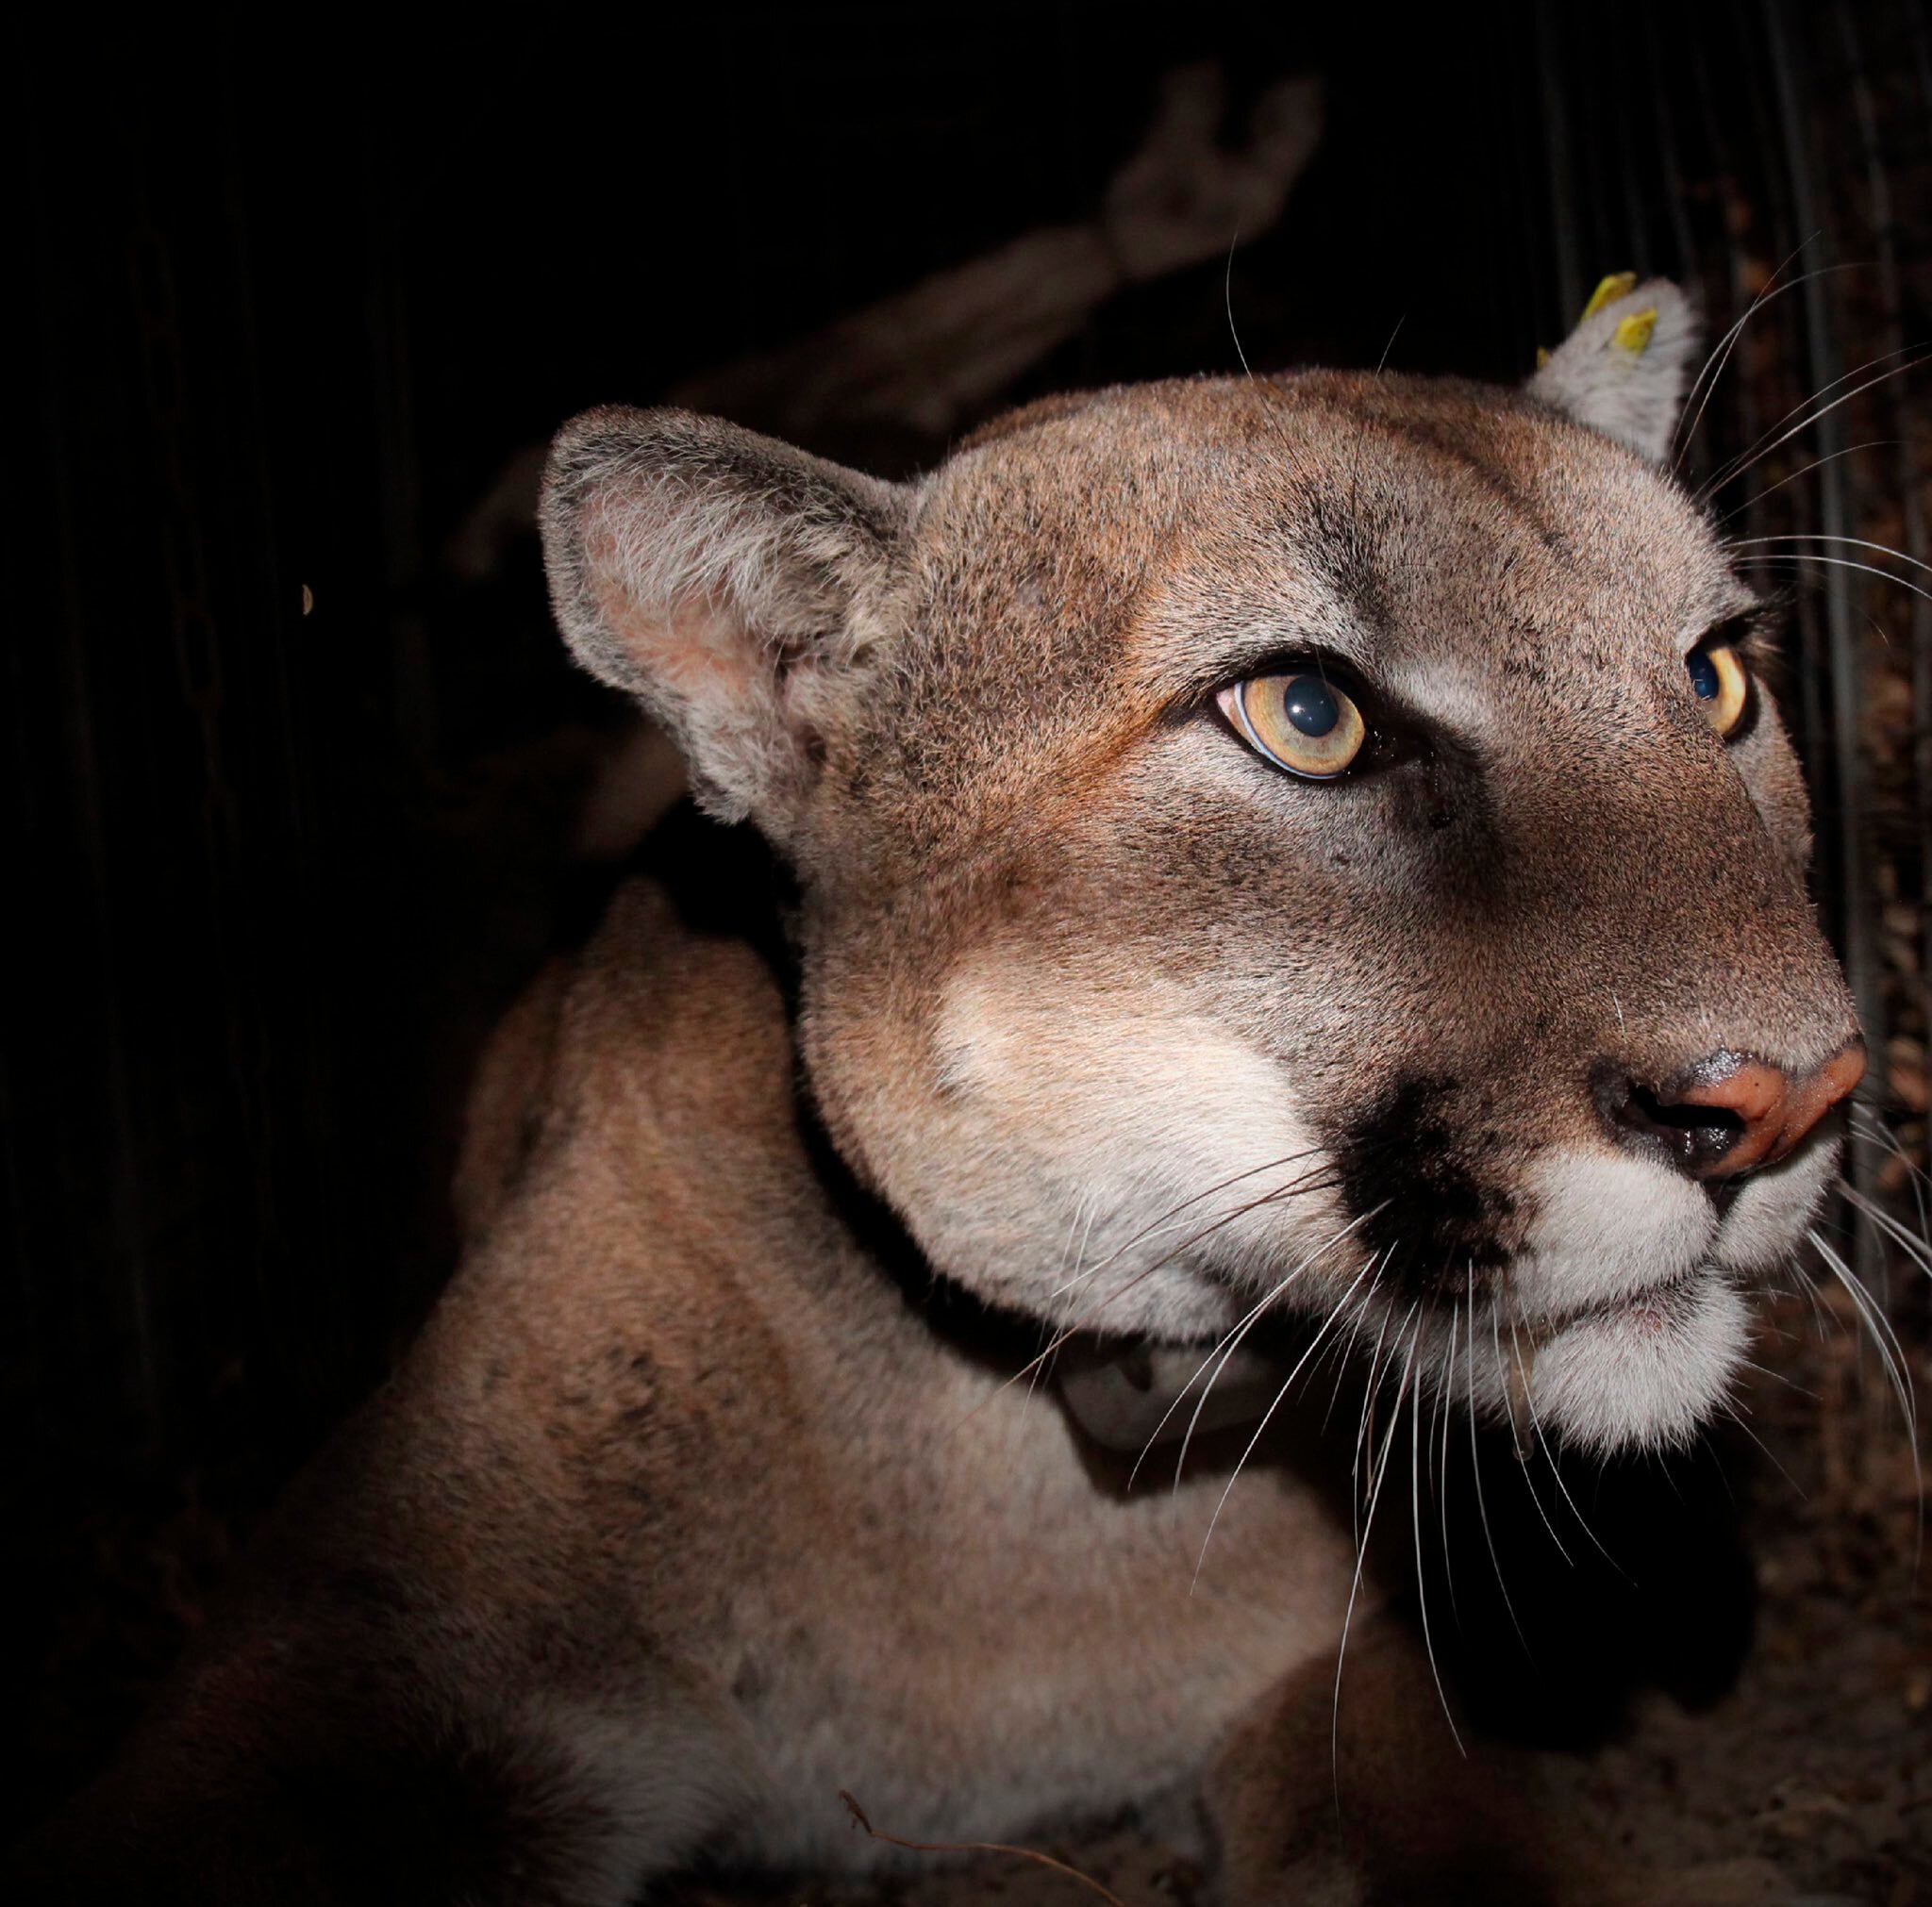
[1645,1373]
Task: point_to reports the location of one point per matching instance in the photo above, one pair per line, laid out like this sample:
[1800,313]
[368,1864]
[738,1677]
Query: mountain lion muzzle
[1313,855]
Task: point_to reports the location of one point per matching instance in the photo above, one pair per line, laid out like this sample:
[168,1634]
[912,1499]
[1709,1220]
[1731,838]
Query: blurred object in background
[911,369]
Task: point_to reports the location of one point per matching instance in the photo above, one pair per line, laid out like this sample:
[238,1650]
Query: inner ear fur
[1624,369]
[714,575]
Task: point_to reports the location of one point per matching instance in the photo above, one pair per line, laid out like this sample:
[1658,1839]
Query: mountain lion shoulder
[1309,849]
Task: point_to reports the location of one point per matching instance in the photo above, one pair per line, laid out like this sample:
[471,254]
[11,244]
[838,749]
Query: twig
[858,1814]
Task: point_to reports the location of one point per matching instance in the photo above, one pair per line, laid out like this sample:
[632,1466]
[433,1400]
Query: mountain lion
[1305,861]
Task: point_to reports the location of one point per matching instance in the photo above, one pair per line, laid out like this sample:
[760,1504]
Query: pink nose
[1776,1111]
[1726,1114]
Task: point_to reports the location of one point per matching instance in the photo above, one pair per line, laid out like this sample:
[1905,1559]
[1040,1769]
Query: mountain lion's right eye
[1301,722]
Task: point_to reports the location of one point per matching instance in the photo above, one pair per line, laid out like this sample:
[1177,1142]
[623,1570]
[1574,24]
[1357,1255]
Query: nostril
[1691,1137]
[1712,1129]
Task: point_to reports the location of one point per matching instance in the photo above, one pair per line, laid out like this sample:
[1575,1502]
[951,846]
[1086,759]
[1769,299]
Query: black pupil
[1703,678]
[1310,705]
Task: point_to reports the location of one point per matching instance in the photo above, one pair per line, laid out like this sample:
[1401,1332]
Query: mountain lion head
[1316,843]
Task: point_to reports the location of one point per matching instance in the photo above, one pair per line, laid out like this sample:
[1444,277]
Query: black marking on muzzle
[1425,1211]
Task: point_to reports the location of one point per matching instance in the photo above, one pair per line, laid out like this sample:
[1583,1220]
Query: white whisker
[1737,1416]
[1444,1413]
[1227,298]
[1756,454]
[1311,1181]
[1794,557]
[1915,1249]
[1286,1385]
[1819,537]
[1173,1211]
[1241,1332]
[1686,428]
[1362,1430]
[1476,1465]
[1415,1422]
[1892,1354]
[1536,1430]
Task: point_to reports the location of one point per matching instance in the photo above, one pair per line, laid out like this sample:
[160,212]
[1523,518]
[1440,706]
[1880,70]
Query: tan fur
[689,1508]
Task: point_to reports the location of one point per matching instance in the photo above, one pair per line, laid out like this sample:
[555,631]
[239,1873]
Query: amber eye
[1302,723]
[1719,684]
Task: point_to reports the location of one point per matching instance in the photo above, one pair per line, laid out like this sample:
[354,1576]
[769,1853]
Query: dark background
[293,778]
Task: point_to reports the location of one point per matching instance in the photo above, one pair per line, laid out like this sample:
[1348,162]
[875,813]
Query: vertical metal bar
[1911,501]
[1913,479]
[1561,171]
[1688,264]
[1851,771]
[413,679]
[1769,187]
[134,1266]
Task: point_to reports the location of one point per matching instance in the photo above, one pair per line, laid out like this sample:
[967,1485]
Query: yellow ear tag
[1618,285]
[1542,355]
[1633,333]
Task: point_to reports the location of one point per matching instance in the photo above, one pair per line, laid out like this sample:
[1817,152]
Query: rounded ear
[1624,370]
[714,575]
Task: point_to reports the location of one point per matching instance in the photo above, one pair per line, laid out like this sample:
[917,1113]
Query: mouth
[1633,1308]
[1646,1368]
[1653,1309]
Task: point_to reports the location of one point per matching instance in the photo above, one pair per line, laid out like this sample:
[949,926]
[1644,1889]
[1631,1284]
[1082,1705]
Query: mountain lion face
[1316,845]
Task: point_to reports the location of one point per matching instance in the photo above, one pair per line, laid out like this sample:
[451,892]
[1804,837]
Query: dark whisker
[1354,1591]
[1806,470]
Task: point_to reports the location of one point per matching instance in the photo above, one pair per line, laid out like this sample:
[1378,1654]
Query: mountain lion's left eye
[1300,722]
[1719,684]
